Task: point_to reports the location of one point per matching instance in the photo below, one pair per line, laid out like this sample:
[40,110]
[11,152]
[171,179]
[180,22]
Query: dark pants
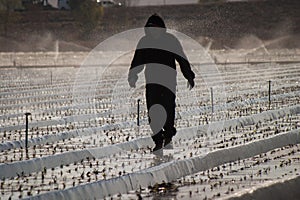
[157,94]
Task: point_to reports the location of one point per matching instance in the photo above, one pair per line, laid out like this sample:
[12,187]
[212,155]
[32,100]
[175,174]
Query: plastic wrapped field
[238,134]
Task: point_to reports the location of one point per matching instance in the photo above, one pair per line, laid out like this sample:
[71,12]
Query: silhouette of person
[157,52]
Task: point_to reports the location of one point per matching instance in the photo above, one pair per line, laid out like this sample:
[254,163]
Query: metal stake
[138,112]
[26,132]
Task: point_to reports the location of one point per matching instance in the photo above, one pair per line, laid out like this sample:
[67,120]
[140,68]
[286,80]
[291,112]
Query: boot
[158,146]
[167,141]
[168,135]
[158,140]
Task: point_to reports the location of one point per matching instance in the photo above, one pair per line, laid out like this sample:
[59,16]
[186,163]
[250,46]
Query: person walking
[157,52]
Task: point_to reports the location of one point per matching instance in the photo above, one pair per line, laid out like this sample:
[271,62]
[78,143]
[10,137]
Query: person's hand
[131,83]
[190,84]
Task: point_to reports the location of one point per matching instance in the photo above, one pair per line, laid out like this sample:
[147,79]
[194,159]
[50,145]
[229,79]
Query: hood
[155,21]
[155,26]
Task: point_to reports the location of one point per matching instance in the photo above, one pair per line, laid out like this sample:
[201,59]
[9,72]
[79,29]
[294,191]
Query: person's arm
[137,65]
[184,65]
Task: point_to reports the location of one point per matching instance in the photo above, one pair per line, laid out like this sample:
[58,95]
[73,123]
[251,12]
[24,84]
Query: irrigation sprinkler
[138,112]
[26,133]
[269,94]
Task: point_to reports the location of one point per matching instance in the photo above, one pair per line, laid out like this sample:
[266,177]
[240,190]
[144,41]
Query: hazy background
[222,24]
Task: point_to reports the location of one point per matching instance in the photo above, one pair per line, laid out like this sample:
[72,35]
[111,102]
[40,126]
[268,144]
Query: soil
[237,25]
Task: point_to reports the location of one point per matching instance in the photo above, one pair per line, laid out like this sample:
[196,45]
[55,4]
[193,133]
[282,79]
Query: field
[84,141]
[238,129]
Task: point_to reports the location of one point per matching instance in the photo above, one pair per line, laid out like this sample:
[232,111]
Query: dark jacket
[157,52]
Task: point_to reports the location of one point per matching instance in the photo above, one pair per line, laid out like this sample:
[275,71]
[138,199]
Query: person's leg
[158,140]
[153,96]
[169,128]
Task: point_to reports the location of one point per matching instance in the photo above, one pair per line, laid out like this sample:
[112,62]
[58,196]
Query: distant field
[227,25]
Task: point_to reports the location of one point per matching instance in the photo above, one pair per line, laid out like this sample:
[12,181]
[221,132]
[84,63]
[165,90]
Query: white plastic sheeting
[76,133]
[172,170]
[242,121]
[9,170]
[38,164]
[61,136]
